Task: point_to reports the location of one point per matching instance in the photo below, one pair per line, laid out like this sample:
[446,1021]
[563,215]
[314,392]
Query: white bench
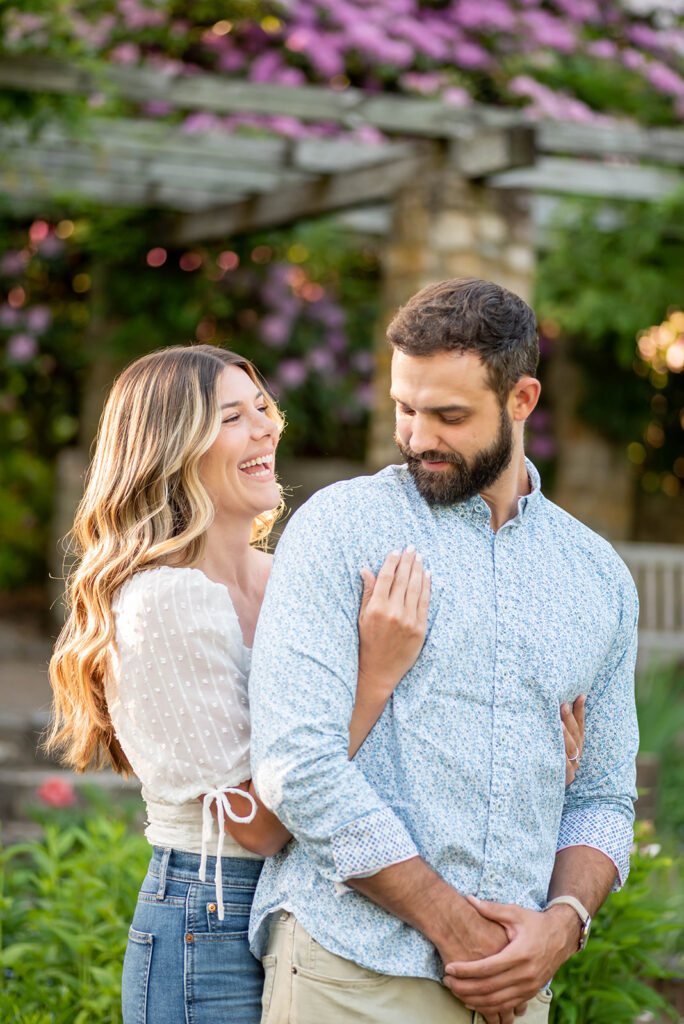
[658,571]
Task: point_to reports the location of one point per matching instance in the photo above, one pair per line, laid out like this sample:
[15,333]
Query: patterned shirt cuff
[602,829]
[371,843]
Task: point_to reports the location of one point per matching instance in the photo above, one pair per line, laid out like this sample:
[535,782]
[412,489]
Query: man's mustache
[429,456]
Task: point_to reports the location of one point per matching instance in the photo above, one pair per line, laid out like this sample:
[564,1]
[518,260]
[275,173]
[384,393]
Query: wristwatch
[581,912]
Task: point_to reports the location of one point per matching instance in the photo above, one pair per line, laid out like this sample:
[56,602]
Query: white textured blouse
[177,697]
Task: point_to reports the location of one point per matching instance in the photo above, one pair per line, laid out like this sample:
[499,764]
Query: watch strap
[580,910]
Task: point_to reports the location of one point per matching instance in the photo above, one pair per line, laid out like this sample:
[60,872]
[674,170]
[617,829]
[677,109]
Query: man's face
[454,435]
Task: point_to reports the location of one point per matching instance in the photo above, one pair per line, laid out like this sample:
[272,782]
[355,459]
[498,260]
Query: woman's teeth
[263,460]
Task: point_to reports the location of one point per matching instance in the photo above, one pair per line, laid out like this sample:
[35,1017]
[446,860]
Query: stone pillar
[594,480]
[445,226]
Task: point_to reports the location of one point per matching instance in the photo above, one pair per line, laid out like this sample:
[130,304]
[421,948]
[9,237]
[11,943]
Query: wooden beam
[655,145]
[350,107]
[590,178]
[488,150]
[220,94]
[323,195]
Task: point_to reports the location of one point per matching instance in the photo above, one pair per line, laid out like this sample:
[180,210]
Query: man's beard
[463,479]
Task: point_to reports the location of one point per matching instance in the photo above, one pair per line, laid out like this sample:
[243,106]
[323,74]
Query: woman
[150,670]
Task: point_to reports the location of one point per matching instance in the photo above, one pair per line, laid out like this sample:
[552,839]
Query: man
[459,789]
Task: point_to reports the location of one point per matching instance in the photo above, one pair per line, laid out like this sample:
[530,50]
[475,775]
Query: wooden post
[72,462]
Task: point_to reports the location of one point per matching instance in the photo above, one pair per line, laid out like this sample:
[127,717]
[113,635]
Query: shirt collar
[478,509]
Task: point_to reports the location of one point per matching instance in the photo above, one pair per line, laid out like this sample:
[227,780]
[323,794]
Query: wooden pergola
[455,190]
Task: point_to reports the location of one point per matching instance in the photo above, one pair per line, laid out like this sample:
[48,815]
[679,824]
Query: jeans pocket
[136,976]
[269,965]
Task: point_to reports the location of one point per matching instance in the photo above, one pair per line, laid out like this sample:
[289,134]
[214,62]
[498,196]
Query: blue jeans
[183,965]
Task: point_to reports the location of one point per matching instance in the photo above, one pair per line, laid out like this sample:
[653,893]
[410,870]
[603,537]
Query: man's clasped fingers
[503,982]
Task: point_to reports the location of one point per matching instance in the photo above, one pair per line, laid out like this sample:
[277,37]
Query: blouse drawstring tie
[223,811]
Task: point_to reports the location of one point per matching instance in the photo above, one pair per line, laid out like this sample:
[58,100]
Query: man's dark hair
[469,315]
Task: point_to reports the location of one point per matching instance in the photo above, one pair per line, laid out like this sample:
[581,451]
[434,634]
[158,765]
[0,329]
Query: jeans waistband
[184,867]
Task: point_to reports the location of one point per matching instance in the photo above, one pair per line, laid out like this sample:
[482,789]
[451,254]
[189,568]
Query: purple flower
[367,133]
[540,419]
[232,60]
[363,361]
[579,10]
[21,348]
[421,36]
[364,395]
[633,60]
[665,79]
[644,37]
[9,317]
[455,96]
[549,31]
[265,66]
[51,247]
[125,53]
[336,341]
[426,83]
[292,373]
[471,56]
[491,16]
[275,330]
[157,108]
[329,314]
[136,16]
[321,359]
[12,263]
[38,319]
[605,49]
[200,122]
[542,447]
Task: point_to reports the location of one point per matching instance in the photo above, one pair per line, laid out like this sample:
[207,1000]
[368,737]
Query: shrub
[631,942]
[66,903]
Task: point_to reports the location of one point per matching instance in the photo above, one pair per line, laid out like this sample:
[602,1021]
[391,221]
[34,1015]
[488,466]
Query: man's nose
[421,437]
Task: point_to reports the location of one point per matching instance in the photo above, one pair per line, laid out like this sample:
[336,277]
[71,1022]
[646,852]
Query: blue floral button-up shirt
[466,765]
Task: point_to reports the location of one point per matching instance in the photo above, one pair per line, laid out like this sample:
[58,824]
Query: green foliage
[612,270]
[632,939]
[66,904]
[660,709]
[80,290]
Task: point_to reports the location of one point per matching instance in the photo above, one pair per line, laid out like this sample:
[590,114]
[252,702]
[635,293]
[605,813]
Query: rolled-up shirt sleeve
[302,688]
[598,810]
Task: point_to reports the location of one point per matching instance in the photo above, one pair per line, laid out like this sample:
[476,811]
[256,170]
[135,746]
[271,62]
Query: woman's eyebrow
[231,405]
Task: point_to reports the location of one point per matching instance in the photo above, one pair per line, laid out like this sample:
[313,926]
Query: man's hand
[538,943]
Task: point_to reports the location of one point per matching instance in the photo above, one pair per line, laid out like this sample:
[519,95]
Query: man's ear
[523,398]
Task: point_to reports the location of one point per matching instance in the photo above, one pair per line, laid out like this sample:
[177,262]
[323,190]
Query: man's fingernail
[428,573]
[419,557]
[410,548]
[397,553]
[566,708]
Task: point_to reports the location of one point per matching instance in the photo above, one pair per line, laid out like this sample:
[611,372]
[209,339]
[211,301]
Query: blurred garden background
[277,177]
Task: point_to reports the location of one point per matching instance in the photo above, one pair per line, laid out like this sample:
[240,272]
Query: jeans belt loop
[163,868]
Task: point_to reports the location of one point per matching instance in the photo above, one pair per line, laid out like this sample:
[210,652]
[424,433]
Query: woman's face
[238,470]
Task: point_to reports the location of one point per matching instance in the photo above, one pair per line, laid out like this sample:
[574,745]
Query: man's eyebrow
[434,408]
[231,405]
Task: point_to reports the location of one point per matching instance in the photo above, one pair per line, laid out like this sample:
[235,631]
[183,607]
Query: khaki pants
[305,984]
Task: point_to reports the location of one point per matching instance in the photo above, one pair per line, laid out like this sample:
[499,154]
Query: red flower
[57,792]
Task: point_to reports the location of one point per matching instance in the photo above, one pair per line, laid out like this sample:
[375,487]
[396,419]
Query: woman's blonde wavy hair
[144,505]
